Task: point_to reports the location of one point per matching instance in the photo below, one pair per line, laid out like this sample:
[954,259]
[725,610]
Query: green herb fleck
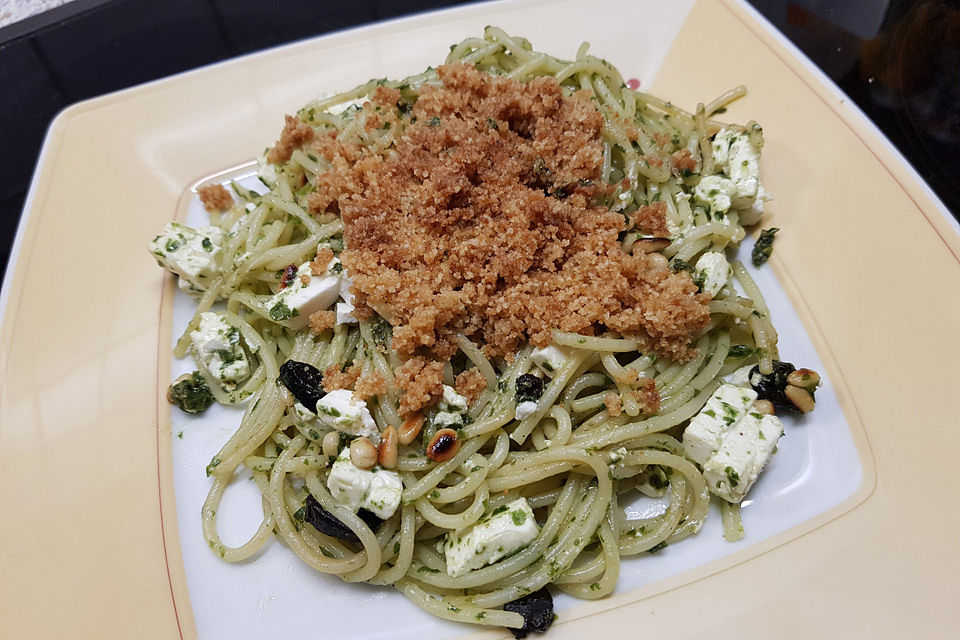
[280,312]
[732,476]
[434,121]
[191,394]
[763,247]
[426,569]
[740,351]
[519,517]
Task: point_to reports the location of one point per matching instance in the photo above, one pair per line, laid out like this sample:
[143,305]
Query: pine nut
[443,446]
[363,454]
[652,244]
[388,448]
[763,406]
[804,378]
[331,444]
[658,262]
[800,398]
[410,429]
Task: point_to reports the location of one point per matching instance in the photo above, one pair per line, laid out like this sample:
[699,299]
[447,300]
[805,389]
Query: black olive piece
[304,381]
[529,387]
[771,387]
[326,523]
[536,609]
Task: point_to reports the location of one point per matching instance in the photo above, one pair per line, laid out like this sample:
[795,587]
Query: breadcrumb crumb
[613,403]
[470,384]
[334,379]
[372,384]
[320,321]
[651,219]
[647,396]
[683,161]
[422,384]
[215,197]
[295,133]
[318,266]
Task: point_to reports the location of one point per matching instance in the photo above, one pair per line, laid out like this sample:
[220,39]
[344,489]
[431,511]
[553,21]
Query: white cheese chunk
[741,377]
[732,470]
[217,349]
[306,417]
[504,531]
[752,215]
[294,304]
[715,193]
[711,272]
[742,165]
[345,313]
[707,429]
[384,494]
[191,254]
[345,284]
[451,400]
[550,358]
[525,409]
[267,170]
[341,411]
[739,159]
[377,490]
[451,409]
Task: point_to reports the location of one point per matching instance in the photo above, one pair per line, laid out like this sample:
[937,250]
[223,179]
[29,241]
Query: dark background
[898,59]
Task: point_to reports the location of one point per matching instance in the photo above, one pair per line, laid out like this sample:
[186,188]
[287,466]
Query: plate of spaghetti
[488,330]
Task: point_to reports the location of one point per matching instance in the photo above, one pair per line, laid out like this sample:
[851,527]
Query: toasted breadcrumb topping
[683,160]
[470,384]
[334,379]
[372,384]
[422,384]
[613,403]
[215,197]
[295,133]
[484,218]
[318,266]
[651,219]
[320,321]
[647,396]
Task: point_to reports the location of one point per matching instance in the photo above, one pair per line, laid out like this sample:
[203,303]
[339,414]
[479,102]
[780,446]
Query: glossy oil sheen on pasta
[590,255]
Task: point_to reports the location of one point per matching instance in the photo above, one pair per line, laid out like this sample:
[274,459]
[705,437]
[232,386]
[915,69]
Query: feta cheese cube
[294,304]
[345,313]
[267,170]
[740,161]
[341,411]
[451,409]
[707,429]
[306,417]
[345,284]
[217,349]
[711,272]
[715,193]
[550,358]
[383,496]
[755,212]
[191,254]
[503,532]
[525,409]
[377,490]
[732,470]
[452,401]
[741,377]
